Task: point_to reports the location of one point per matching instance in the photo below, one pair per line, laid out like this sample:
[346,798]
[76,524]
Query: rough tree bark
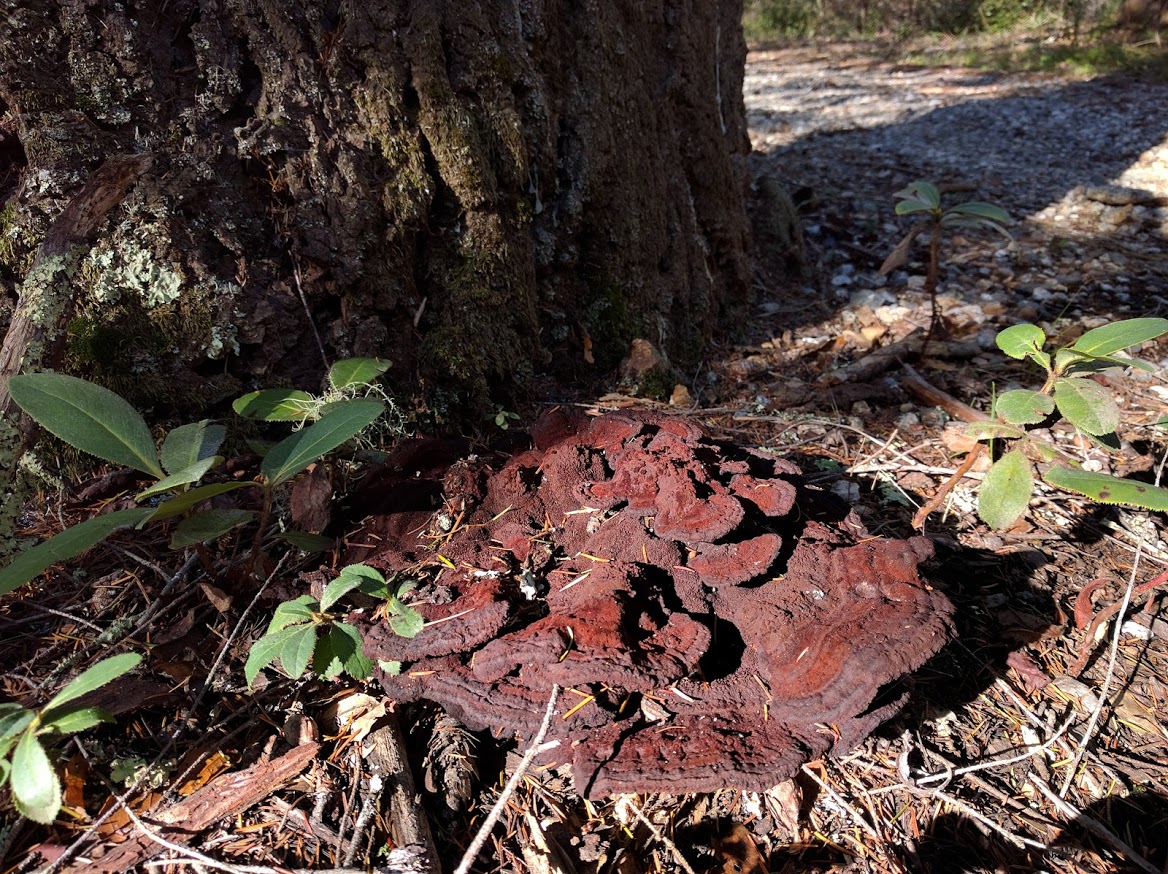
[481,192]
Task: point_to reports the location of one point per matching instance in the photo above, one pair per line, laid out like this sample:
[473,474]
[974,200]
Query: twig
[934,503]
[533,750]
[660,838]
[308,312]
[839,799]
[1093,825]
[930,394]
[1111,661]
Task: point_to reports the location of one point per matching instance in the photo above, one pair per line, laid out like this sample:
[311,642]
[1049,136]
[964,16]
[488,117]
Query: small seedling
[1069,393]
[924,197]
[36,789]
[504,418]
[304,630]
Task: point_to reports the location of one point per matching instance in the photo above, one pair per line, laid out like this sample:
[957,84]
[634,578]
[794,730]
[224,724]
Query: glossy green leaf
[95,677]
[275,405]
[925,192]
[308,542]
[288,457]
[184,477]
[191,443]
[68,544]
[340,650]
[1072,362]
[294,612]
[13,720]
[208,525]
[265,651]
[355,576]
[1108,489]
[1024,407]
[70,720]
[1005,491]
[405,621]
[1019,341]
[1086,404]
[180,504]
[296,652]
[88,417]
[356,371]
[1120,335]
[34,784]
[981,210]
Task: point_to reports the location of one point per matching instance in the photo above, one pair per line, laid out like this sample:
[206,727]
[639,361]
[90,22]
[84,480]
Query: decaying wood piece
[44,307]
[410,828]
[922,390]
[226,795]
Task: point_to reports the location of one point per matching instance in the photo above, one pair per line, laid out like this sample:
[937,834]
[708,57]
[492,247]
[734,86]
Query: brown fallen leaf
[312,498]
[736,853]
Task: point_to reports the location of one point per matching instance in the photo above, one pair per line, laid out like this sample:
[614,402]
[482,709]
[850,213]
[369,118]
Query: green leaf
[13,720]
[308,542]
[275,405]
[351,577]
[88,417]
[1024,407]
[184,477]
[356,371]
[72,720]
[956,221]
[989,430]
[35,787]
[1120,335]
[341,650]
[1086,405]
[1108,489]
[1019,341]
[907,207]
[208,525]
[393,667]
[190,443]
[294,612]
[1070,361]
[981,210]
[296,652]
[95,677]
[180,504]
[265,651]
[925,192]
[69,543]
[404,621]
[288,457]
[1005,491]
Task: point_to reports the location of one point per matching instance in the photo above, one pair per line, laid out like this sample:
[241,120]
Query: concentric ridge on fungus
[631,556]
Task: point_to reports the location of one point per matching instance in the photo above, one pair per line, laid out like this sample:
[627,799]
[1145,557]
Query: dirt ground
[1034,741]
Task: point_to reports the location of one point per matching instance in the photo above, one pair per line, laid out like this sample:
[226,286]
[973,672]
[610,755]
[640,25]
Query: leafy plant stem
[257,544]
[931,283]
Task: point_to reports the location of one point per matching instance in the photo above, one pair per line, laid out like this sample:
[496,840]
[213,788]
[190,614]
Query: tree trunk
[481,192]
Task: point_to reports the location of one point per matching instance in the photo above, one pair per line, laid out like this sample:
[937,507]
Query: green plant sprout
[1069,393]
[304,630]
[98,421]
[924,197]
[24,762]
[504,418]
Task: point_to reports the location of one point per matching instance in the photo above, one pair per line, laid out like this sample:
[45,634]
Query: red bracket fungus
[713,619]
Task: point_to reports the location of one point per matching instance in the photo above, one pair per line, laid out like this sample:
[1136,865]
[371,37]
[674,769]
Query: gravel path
[1082,163]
